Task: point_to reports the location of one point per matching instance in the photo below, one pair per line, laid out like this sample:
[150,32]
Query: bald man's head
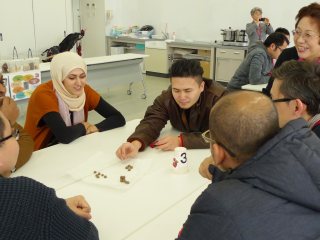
[243,121]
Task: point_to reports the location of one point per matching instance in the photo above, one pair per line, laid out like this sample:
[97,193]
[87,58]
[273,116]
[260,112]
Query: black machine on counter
[234,37]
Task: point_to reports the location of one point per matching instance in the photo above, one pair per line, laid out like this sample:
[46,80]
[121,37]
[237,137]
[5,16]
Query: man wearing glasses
[256,67]
[31,210]
[296,93]
[266,180]
[10,109]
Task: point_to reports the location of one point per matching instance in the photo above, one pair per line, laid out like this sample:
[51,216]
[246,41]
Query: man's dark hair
[186,68]
[300,80]
[277,38]
[242,122]
[282,30]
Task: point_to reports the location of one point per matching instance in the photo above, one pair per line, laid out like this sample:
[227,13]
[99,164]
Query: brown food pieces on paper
[99,174]
[129,167]
[123,180]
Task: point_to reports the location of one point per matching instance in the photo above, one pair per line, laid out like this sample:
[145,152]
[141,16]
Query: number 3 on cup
[183,157]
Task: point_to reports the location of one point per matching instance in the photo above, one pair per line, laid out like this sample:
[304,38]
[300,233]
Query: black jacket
[286,55]
[274,195]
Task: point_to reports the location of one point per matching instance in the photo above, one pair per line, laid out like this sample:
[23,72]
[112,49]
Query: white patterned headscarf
[61,65]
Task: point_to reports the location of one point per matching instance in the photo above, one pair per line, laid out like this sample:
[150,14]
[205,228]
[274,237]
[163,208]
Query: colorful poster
[22,84]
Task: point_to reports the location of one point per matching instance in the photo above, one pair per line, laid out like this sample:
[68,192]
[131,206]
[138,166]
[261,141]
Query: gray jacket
[274,195]
[255,68]
[255,35]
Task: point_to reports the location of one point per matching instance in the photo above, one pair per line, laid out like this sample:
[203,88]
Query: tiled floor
[131,106]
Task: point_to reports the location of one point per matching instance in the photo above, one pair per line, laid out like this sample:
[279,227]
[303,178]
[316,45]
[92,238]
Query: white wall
[202,19]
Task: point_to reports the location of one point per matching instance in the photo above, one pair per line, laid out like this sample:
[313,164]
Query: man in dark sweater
[29,210]
[265,180]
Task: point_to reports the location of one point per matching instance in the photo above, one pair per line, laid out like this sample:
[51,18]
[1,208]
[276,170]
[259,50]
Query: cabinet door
[49,22]
[227,62]
[225,68]
[157,60]
[16,20]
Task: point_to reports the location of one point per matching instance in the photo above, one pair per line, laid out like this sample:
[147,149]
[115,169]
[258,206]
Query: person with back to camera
[306,39]
[10,109]
[186,104]
[257,65]
[259,28]
[270,187]
[30,210]
[58,109]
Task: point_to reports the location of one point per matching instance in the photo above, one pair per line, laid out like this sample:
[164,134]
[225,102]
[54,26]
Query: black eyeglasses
[15,134]
[282,100]
[207,139]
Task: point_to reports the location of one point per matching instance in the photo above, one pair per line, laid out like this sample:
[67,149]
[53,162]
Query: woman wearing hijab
[58,109]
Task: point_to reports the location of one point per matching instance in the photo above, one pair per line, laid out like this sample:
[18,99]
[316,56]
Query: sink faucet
[15,52]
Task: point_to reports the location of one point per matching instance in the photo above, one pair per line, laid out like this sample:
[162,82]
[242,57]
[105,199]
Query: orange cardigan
[44,100]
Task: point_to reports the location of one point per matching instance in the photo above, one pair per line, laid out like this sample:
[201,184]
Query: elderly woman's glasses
[14,133]
[307,35]
[208,139]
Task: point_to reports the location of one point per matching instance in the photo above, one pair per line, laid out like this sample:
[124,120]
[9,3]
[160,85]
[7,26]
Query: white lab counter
[107,71]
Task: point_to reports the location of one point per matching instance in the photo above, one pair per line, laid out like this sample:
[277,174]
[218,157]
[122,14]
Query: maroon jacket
[165,108]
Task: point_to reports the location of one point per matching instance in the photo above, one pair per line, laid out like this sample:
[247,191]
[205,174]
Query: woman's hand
[90,128]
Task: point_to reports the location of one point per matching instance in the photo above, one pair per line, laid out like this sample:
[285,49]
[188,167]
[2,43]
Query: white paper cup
[180,160]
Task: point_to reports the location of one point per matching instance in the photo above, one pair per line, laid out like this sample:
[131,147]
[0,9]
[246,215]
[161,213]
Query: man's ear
[202,86]
[300,107]
[219,154]
[273,46]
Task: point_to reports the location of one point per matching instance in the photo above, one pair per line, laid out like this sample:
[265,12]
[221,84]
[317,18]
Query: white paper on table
[95,163]
[113,170]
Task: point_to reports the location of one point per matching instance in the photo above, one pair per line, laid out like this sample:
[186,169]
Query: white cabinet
[158,60]
[17,30]
[227,62]
[34,24]
[50,23]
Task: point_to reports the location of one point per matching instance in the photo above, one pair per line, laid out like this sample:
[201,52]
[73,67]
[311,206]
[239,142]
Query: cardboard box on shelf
[204,52]
[206,68]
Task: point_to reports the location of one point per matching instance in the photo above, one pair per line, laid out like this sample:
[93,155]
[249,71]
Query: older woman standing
[58,109]
[257,30]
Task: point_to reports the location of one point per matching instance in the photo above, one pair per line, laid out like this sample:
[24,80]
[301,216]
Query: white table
[107,71]
[131,212]
[257,87]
